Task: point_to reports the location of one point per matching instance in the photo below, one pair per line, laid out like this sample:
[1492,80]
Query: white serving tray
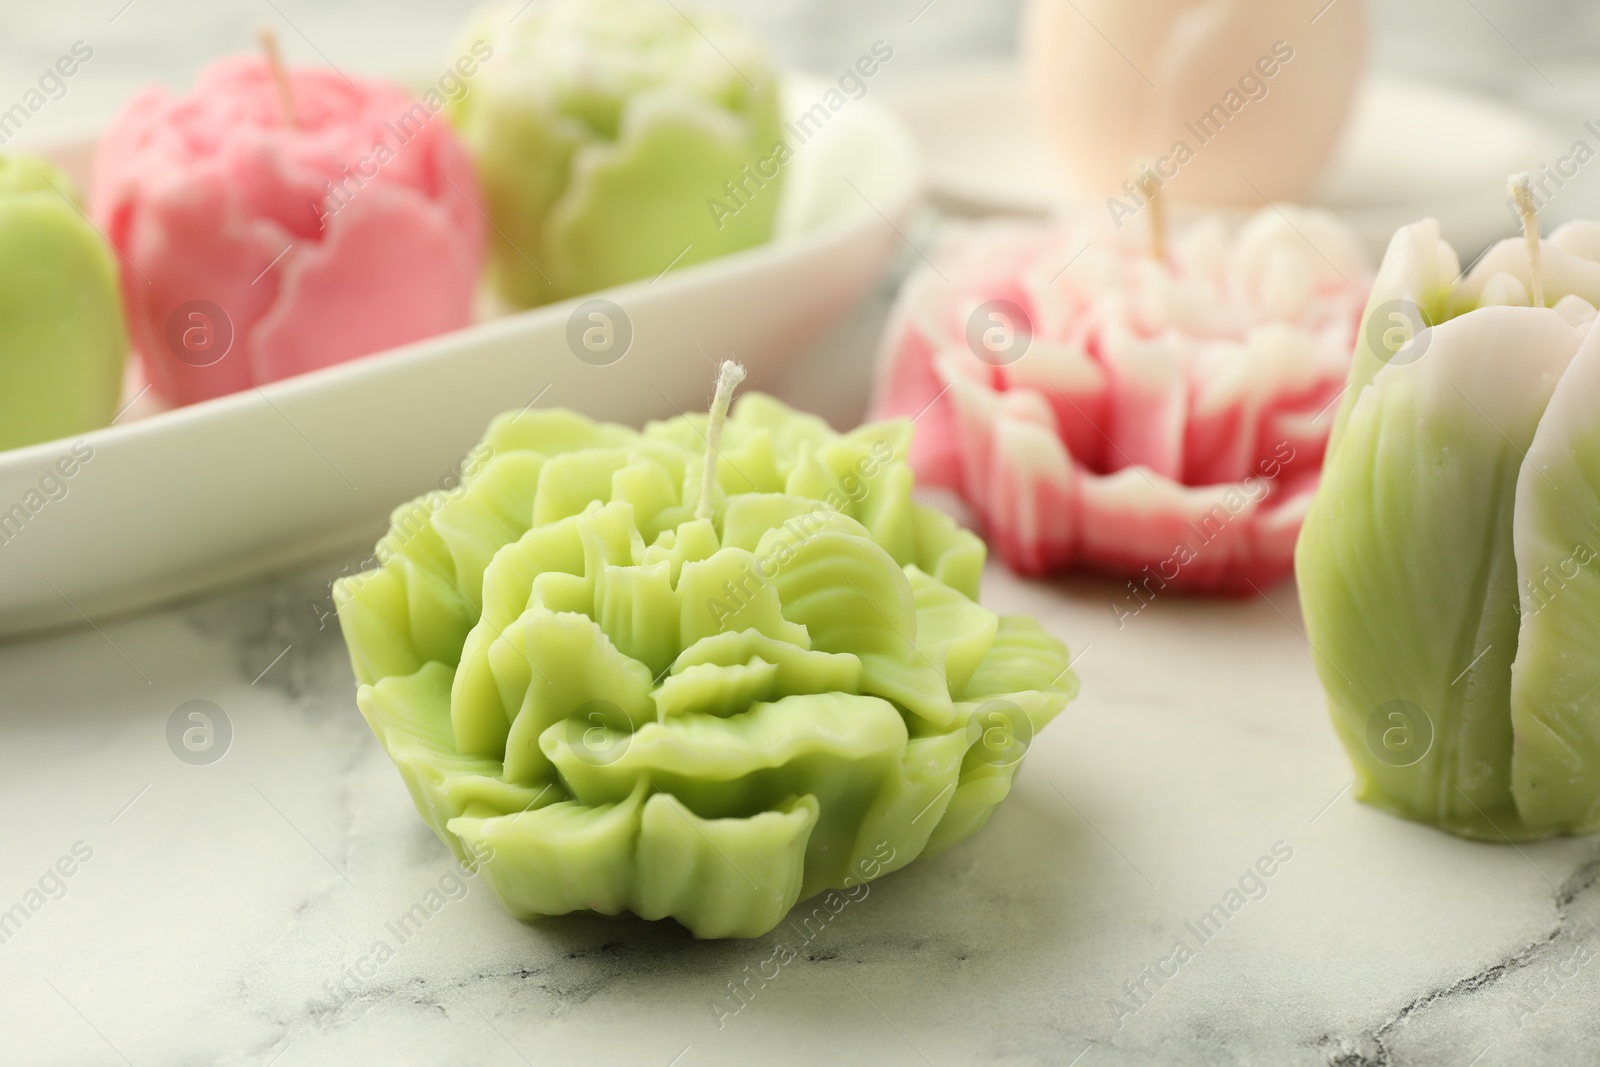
[1412,149]
[180,501]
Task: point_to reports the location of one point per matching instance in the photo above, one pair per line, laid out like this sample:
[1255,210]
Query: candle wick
[1157,236]
[280,73]
[1521,188]
[728,379]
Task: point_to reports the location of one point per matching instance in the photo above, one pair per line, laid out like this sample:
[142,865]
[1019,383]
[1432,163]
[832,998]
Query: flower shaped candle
[617,139]
[1232,99]
[1149,413]
[1450,565]
[276,222]
[628,687]
[61,340]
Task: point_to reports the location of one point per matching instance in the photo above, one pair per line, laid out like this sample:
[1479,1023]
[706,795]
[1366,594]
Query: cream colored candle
[1233,100]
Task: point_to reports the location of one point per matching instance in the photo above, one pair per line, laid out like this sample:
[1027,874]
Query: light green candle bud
[1450,563]
[62,342]
[615,139]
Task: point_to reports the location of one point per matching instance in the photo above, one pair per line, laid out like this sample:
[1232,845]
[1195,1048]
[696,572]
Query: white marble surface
[221,901]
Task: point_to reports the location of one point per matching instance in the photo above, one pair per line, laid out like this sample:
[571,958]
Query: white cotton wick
[1521,188]
[280,73]
[728,378]
[1157,236]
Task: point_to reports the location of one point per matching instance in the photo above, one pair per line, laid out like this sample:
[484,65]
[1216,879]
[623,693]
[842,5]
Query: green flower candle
[603,129]
[643,674]
[62,343]
[1450,563]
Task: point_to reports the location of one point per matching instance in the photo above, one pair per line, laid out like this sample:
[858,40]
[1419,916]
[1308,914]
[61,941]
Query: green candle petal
[62,343]
[797,670]
[712,689]
[1555,683]
[725,592]
[576,674]
[560,857]
[410,716]
[635,207]
[953,633]
[474,526]
[704,719]
[685,870]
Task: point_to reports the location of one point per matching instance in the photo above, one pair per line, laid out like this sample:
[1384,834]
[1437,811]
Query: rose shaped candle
[1450,566]
[276,222]
[626,686]
[617,139]
[1104,403]
[62,344]
[1233,99]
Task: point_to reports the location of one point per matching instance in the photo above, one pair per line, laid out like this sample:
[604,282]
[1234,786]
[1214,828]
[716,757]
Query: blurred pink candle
[1163,420]
[260,243]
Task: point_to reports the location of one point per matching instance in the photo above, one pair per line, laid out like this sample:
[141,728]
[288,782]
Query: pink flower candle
[1159,415]
[276,222]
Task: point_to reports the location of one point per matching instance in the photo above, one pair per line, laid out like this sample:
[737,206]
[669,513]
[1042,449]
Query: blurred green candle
[1450,564]
[62,343]
[624,686]
[606,135]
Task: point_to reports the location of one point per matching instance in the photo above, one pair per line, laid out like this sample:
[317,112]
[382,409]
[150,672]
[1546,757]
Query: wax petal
[1562,272]
[796,670]
[561,857]
[715,689]
[407,282]
[953,633]
[576,672]
[623,215]
[687,870]
[1417,270]
[951,554]
[911,806]
[1504,290]
[1575,309]
[493,512]
[1555,680]
[407,713]
[729,591]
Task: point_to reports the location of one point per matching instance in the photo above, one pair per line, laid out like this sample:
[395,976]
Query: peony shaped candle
[624,686]
[1102,401]
[62,344]
[1450,565]
[617,139]
[1233,99]
[277,222]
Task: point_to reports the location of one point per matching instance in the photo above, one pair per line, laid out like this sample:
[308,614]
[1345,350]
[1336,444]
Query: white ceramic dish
[1411,150]
[180,501]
